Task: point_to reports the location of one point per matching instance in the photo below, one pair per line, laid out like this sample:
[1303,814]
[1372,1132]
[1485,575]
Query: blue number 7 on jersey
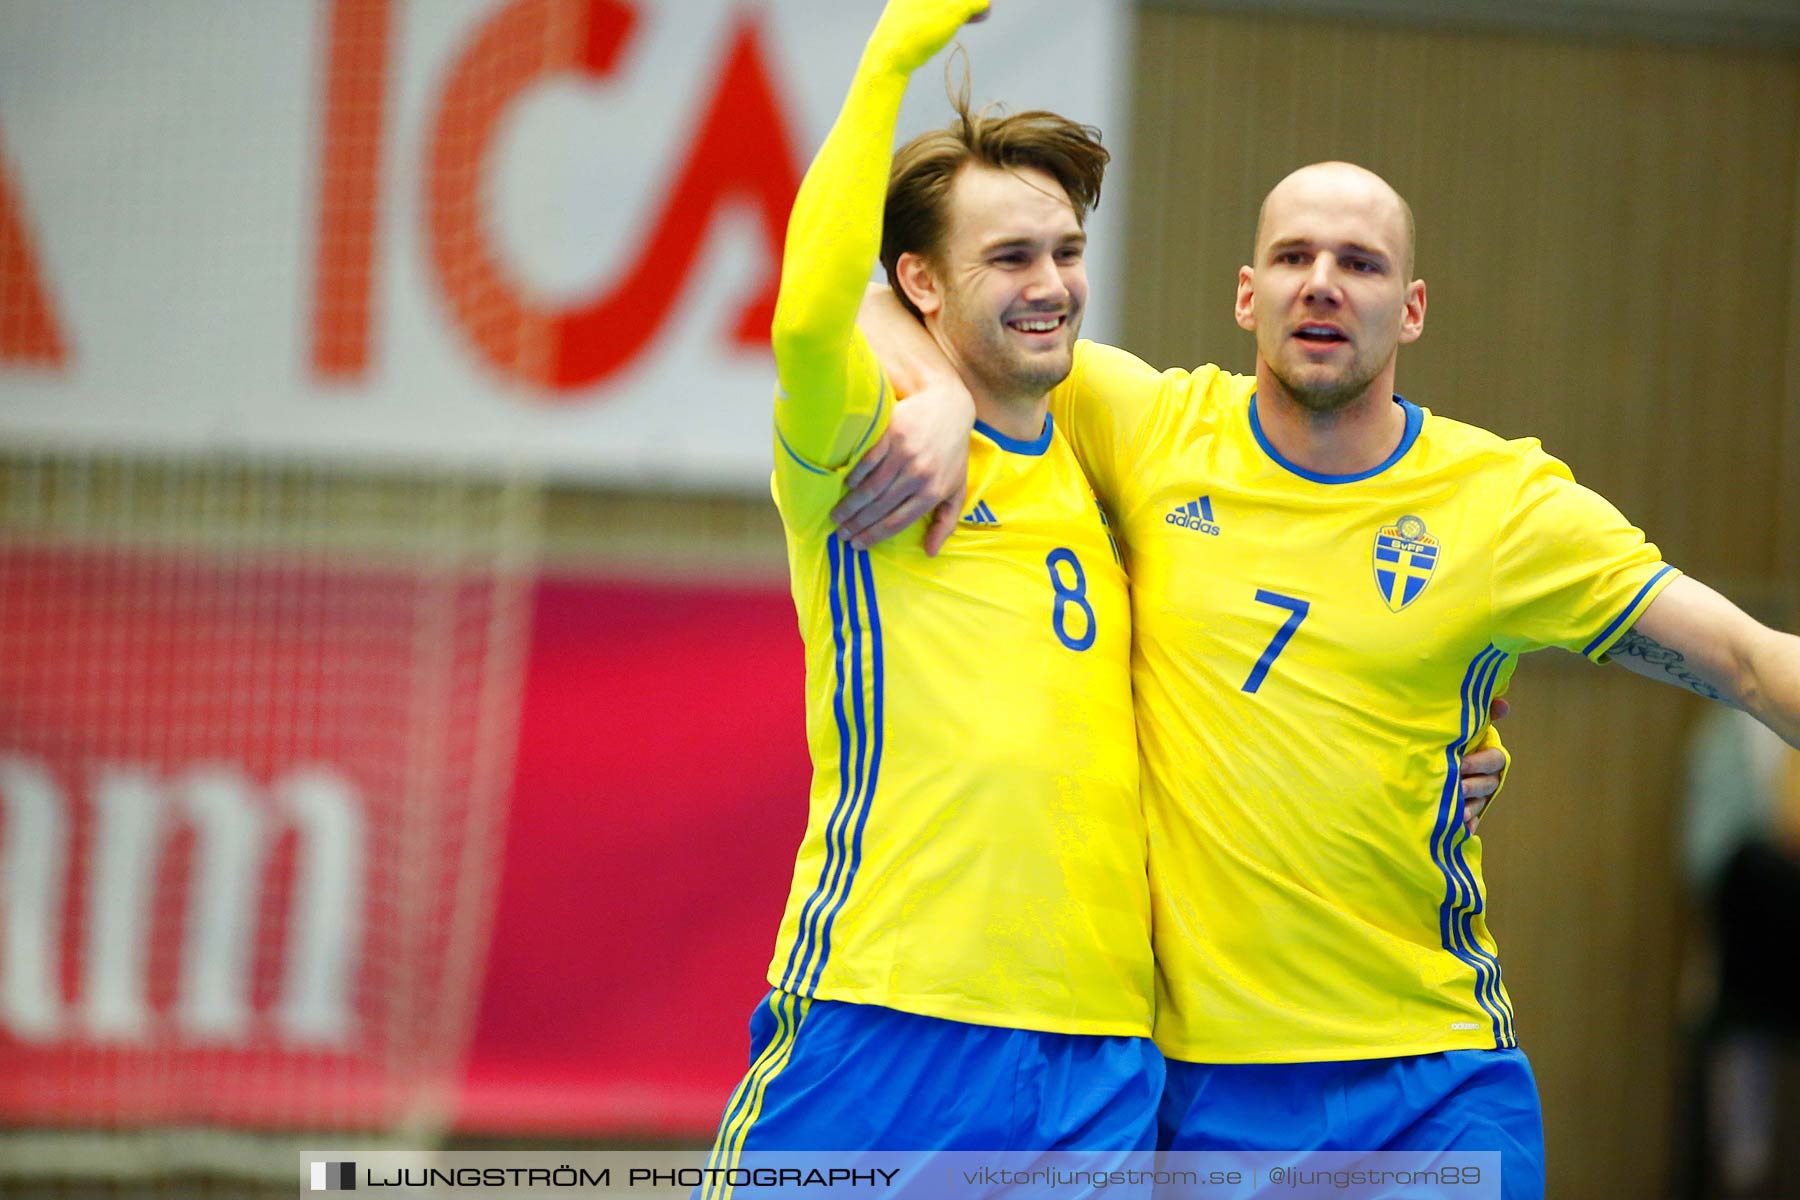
[1297,610]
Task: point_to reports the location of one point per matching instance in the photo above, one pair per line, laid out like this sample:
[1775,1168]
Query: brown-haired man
[964,961]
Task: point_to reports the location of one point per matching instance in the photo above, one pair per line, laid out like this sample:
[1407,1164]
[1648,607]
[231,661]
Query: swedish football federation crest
[1405,556]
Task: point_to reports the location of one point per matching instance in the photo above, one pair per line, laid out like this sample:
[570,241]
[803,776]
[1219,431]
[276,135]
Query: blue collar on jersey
[1415,417]
[1012,445]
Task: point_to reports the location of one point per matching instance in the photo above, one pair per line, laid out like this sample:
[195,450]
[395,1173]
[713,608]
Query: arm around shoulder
[921,463]
[1109,407]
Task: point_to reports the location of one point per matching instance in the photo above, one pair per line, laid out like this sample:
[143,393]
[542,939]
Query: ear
[1412,317]
[920,285]
[1246,297]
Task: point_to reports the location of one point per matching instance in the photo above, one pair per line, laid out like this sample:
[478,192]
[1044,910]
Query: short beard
[1326,399]
[1032,383]
[1022,380]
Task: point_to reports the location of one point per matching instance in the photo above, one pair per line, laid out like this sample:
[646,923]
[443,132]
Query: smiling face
[1329,297]
[1006,293]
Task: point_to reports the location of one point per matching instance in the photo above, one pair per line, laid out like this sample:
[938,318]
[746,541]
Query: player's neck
[1019,417]
[1346,441]
[1012,412]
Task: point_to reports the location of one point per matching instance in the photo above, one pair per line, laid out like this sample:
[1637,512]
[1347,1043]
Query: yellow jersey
[1312,655]
[975,845]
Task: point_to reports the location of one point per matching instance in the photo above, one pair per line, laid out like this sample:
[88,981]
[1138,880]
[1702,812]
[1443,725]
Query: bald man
[1317,562]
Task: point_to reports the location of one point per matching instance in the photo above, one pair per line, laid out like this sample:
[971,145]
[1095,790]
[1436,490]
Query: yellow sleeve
[1569,569]
[1117,410]
[1103,408]
[832,400]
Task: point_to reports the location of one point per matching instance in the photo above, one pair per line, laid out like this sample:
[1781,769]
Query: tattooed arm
[1694,638]
[1656,657]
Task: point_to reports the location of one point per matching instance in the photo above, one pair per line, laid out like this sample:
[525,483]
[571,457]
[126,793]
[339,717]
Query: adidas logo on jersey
[1196,515]
[981,514]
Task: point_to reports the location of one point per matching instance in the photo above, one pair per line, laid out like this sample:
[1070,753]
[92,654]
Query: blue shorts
[829,1076]
[1457,1100]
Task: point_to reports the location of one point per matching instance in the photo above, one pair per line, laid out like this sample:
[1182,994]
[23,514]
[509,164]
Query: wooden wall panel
[1607,234]
[1611,239]
[1788,511]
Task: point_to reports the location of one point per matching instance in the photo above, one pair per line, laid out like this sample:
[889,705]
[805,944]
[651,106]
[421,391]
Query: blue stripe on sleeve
[874,420]
[854,450]
[804,465]
[1606,633]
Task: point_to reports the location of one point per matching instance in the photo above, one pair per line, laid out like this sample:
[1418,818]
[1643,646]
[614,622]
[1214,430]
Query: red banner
[661,795]
[245,876]
[228,795]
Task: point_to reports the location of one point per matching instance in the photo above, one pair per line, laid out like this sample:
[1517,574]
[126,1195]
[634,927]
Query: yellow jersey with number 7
[1312,655]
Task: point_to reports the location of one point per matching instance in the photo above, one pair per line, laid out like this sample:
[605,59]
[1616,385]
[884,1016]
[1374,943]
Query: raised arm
[831,392]
[1693,637]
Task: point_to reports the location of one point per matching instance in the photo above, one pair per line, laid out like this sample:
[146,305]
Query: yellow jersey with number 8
[976,846]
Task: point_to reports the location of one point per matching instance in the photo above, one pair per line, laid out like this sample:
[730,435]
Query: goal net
[255,734]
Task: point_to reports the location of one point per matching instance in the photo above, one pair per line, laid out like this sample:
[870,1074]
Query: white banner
[486,233]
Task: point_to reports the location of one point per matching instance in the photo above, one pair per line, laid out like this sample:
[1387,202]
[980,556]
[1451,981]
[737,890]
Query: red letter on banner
[349,188]
[741,153]
[28,328]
